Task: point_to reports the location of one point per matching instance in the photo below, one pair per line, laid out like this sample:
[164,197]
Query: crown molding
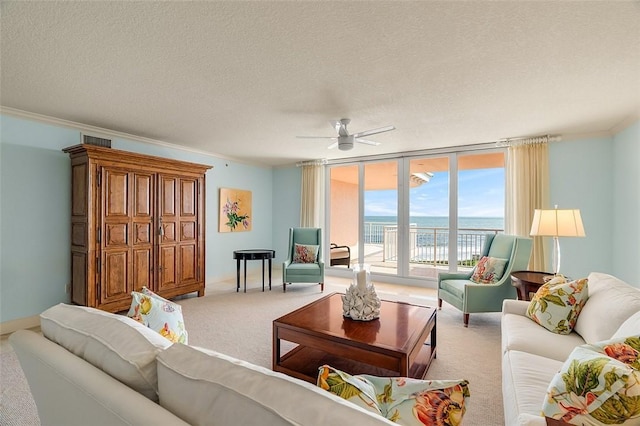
[103,132]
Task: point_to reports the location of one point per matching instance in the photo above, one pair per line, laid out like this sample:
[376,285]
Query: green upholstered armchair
[458,290]
[303,272]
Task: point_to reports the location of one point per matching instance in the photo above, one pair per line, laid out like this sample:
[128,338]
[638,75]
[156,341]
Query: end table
[527,282]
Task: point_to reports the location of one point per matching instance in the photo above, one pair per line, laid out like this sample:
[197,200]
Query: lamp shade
[557,223]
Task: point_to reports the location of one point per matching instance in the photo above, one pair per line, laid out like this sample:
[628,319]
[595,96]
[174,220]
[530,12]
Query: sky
[480,194]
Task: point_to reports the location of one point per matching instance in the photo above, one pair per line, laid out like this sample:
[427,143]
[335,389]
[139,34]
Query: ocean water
[443,221]
[429,236]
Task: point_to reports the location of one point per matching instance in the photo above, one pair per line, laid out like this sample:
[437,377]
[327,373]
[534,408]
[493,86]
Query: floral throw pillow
[404,401]
[488,270]
[159,314]
[557,304]
[599,384]
[305,253]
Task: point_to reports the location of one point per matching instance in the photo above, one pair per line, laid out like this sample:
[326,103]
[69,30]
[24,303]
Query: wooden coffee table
[402,342]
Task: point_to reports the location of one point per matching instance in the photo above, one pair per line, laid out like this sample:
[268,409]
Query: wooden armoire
[136,220]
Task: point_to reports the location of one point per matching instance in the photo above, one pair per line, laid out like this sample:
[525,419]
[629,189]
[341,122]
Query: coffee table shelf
[402,342]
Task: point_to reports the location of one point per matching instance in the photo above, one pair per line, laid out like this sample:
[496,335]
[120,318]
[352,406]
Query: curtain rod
[320,162]
[528,140]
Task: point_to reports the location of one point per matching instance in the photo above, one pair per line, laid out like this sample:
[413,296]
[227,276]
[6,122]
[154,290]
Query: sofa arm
[516,307]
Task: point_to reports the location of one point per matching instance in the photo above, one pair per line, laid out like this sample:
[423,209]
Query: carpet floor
[240,325]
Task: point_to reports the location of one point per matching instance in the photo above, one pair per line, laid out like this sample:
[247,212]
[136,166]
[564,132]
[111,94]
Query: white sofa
[532,355]
[92,367]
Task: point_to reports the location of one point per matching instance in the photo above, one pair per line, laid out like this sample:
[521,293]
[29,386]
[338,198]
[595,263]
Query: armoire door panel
[188,199]
[143,193]
[115,276]
[116,235]
[187,231]
[168,190]
[168,232]
[116,193]
[142,233]
[142,270]
[167,269]
[188,263]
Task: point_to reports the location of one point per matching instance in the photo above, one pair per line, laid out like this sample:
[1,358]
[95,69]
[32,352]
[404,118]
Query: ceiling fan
[344,140]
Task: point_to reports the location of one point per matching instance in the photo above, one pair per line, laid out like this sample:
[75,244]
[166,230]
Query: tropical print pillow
[305,253]
[599,384]
[488,270]
[159,314]
[557,304]
[402,400]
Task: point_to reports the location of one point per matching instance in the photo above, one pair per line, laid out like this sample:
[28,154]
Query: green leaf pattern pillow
[599,384]
[402,400]
[556,305]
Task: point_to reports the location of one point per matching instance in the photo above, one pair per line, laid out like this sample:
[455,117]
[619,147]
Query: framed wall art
[235,210]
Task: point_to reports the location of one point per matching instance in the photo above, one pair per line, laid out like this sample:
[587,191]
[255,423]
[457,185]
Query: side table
[527,282]
[253,254]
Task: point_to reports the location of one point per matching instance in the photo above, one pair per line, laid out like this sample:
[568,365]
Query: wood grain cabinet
[136,220]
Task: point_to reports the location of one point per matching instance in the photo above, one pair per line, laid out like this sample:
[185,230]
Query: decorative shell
[361,304]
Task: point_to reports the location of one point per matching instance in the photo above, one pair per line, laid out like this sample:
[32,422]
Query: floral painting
[235,210]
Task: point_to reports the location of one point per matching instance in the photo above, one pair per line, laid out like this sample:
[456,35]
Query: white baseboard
[9,327]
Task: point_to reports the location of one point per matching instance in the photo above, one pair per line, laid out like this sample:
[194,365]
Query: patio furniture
[340,255]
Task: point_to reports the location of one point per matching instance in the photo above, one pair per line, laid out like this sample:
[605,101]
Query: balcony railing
[428,245]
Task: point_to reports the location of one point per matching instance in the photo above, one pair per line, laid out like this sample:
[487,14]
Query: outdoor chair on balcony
[474,296]
[340,255]
[304,262]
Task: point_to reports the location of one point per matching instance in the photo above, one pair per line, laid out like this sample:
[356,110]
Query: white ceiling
[242,79]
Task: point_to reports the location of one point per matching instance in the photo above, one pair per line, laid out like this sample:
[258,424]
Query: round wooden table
[527,282]
[252,254]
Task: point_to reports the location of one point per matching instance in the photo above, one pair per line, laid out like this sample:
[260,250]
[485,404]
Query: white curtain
[527,189]
[312,196]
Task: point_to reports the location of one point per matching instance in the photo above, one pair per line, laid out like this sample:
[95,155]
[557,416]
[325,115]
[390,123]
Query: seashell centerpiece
[360,301]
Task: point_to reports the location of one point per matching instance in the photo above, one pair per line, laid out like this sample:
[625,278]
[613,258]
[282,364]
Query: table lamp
[557,223]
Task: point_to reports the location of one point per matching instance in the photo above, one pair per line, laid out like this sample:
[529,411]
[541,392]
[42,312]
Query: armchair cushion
[489,270]
[305,253]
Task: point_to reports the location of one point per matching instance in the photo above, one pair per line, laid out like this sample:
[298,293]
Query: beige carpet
[240,325]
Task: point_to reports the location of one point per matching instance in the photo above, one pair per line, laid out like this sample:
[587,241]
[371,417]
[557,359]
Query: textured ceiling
[242,79]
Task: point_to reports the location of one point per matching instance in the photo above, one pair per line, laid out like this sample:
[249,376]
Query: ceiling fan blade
[367,142]
[333,145]
[317,137]
[374,131]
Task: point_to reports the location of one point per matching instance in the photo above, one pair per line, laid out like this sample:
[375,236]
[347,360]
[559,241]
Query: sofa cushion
[205,387]
[305,253]
[597,385]
[116,344]
[488,270]
[611,302]
[404,401]
[521,334]
[525,379]
[631,327]
[159,314]
[557,304]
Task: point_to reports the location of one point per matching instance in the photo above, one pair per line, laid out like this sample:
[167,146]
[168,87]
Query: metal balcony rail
[428,245]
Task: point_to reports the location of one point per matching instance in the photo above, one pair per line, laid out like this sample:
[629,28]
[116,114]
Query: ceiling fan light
[345,146]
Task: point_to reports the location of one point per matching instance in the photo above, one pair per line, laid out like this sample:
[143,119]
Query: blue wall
[626,204]
[600,176]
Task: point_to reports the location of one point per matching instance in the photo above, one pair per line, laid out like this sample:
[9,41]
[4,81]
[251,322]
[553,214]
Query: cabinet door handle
[160,230]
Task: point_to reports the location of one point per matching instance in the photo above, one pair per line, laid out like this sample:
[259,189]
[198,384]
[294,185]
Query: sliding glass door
[417,216]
